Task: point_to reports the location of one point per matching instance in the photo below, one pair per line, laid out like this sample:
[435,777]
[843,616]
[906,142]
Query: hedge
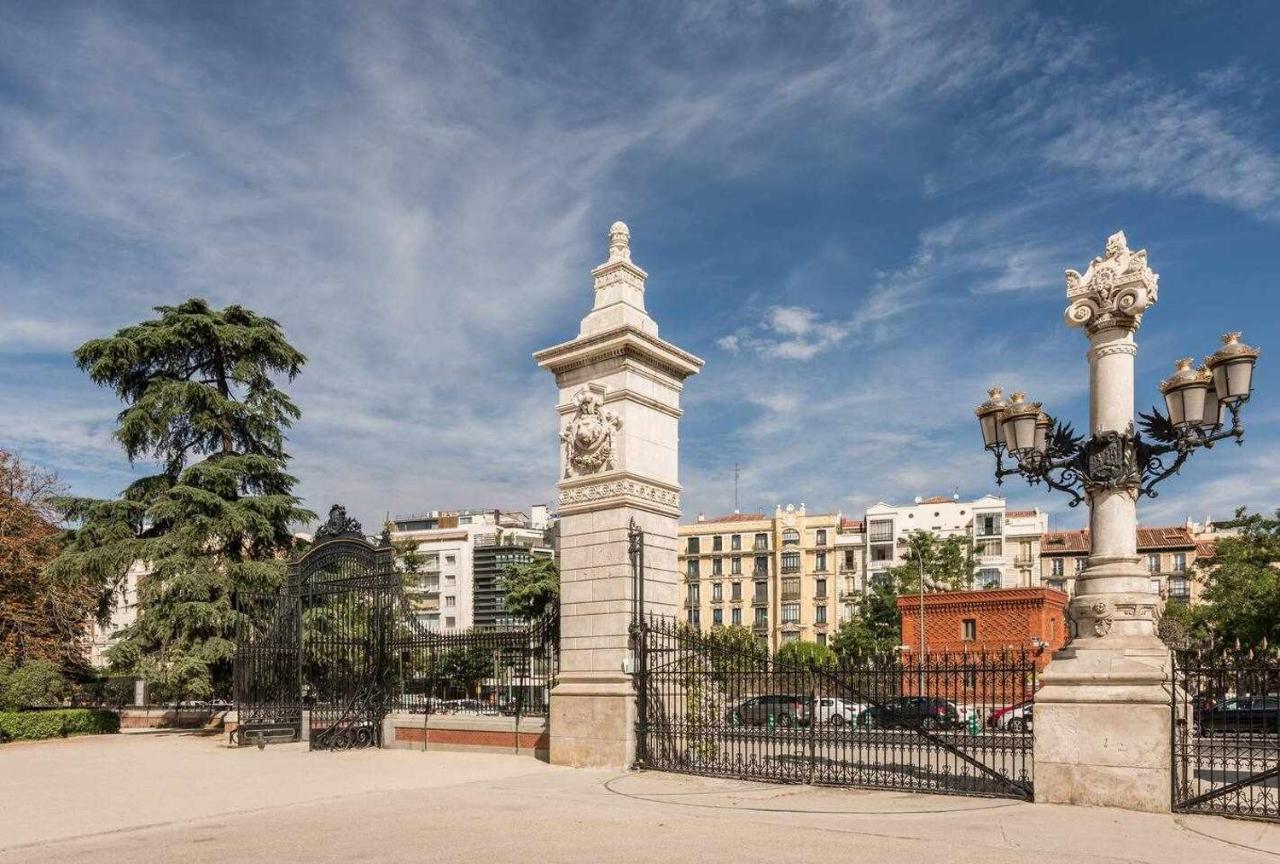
[56,723]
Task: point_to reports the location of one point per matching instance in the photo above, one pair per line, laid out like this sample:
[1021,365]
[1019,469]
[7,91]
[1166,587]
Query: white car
[834,711]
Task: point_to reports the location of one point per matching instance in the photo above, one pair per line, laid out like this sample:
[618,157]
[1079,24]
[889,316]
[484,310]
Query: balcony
[760,626]
[790,595]
[760,600]
[759,547]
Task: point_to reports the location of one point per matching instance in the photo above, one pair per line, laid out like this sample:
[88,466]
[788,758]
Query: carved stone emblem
[1102,614]
[1112,462]
[339,524]
[589,438]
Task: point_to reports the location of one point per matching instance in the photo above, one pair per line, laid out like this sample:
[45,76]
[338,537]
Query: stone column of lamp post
[1102,715]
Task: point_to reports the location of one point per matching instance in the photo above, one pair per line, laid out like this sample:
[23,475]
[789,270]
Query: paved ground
[167,797]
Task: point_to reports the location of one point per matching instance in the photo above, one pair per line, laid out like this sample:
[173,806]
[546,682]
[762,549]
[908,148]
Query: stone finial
[619,242]
[1115,289]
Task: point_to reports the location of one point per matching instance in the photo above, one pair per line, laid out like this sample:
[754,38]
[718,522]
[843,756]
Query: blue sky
[858,214]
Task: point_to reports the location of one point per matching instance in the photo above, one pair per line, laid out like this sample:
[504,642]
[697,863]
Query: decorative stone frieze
[625,486]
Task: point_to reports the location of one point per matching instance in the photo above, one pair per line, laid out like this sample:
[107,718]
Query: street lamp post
[1102,716]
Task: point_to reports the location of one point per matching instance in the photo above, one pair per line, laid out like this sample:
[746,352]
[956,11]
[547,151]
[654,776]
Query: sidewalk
[190,799]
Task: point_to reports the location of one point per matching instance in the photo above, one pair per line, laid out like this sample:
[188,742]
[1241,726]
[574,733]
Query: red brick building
[1015,619]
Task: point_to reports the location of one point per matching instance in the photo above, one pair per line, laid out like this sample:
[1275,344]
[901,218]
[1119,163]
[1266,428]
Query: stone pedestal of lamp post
[1102,731]
[619,406]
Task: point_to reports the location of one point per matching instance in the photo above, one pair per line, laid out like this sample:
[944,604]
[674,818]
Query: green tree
[463,668]
[531,591]
[201,403]
[734,648]
[875,626]
[1242,584]
[948,564]
[807,655]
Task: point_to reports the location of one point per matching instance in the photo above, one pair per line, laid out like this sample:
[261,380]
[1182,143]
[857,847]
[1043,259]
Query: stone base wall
[528,737]
[167,718]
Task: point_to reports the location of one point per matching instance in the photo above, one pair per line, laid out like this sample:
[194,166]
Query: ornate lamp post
[1102,717]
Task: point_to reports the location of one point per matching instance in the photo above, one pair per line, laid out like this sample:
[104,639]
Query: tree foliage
[1242,584]
[40,620]
[531,591]
[948,564]
[807,655]
[201,404]
[875,627]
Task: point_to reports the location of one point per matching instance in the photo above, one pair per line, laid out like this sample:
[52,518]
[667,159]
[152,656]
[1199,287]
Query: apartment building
[456,546]
[1167,553]
[124,611]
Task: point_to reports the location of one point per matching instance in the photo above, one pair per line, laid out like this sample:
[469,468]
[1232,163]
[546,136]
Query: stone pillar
[1102,732]
[619,406]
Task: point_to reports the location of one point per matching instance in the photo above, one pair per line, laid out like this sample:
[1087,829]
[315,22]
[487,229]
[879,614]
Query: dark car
[783,710]
[1241,714]
[913,712]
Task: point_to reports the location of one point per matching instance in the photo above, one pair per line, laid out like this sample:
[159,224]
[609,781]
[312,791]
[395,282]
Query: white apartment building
[444,596]
[123,613]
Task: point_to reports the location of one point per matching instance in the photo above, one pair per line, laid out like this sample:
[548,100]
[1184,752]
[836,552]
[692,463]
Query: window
[450,579]
[986,524]
[735,565]
[762,541]
[881,552]
[691,568]
[969,629]
[1024,550]
[450,559]
[1080,563]
[1055,568]
[1153,562]
[820,537]
[820,588]
[1155,586]
[451,622]
[820,615]
[1179,562]
[790,637]
[790,613]
[1180,588]
[695,618]
[717,567]
[820,562]
[717,543]
[989,548]
[1058,585]
[735,542]
[717,592]
[850,563]
[762,592]
[988,577]
[693,546]
[791,562]
[717,617]
[735,616]
[850,584]
[762,564]
[791,537]
[694,593]
[450,601]
[880,531]
[762,617]
[735,591]
[791,588]
[822,638]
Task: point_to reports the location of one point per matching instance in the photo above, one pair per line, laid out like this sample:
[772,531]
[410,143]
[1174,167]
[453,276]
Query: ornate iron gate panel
[1226,733]
[342,646]
[717,704]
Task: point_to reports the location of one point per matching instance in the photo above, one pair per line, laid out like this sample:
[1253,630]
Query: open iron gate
[717,704]
[342,646]
[1226,733]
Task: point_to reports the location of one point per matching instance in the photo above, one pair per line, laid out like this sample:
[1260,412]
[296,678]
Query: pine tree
[202,405]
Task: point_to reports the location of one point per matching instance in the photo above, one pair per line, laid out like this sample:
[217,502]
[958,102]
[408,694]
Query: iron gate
[1226,733]
[717,704]
[343,645]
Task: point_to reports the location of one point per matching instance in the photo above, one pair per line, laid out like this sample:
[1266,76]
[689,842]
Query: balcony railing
[759,547]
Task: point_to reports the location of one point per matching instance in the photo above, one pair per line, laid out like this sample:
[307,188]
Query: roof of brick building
[739,517]
[852,524]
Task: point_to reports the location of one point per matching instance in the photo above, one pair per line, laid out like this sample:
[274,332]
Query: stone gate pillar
[619,406]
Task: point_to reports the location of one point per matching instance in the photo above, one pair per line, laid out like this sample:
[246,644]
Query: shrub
[57,723]
[38,683]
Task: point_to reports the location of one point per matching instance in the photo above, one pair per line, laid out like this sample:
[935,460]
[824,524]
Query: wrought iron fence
[954,723]
[1226,732]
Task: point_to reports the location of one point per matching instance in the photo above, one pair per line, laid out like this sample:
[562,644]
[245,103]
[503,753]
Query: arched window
[791,537]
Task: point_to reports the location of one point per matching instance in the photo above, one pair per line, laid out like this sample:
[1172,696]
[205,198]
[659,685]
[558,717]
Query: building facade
[1167,553]
[795,575]
[451,545]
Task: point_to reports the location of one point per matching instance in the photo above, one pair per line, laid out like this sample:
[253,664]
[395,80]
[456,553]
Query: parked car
[833,711]
[466,706]
[913,712]
[1241,714]
[784,709]
[1014,718]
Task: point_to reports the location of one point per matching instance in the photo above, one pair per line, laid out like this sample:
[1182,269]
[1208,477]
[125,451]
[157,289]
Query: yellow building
[775,575]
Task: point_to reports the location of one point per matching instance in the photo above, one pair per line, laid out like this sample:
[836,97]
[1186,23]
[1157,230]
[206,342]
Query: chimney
[701,518]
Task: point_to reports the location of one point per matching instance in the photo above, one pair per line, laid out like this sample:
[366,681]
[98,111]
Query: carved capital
[1114,291]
